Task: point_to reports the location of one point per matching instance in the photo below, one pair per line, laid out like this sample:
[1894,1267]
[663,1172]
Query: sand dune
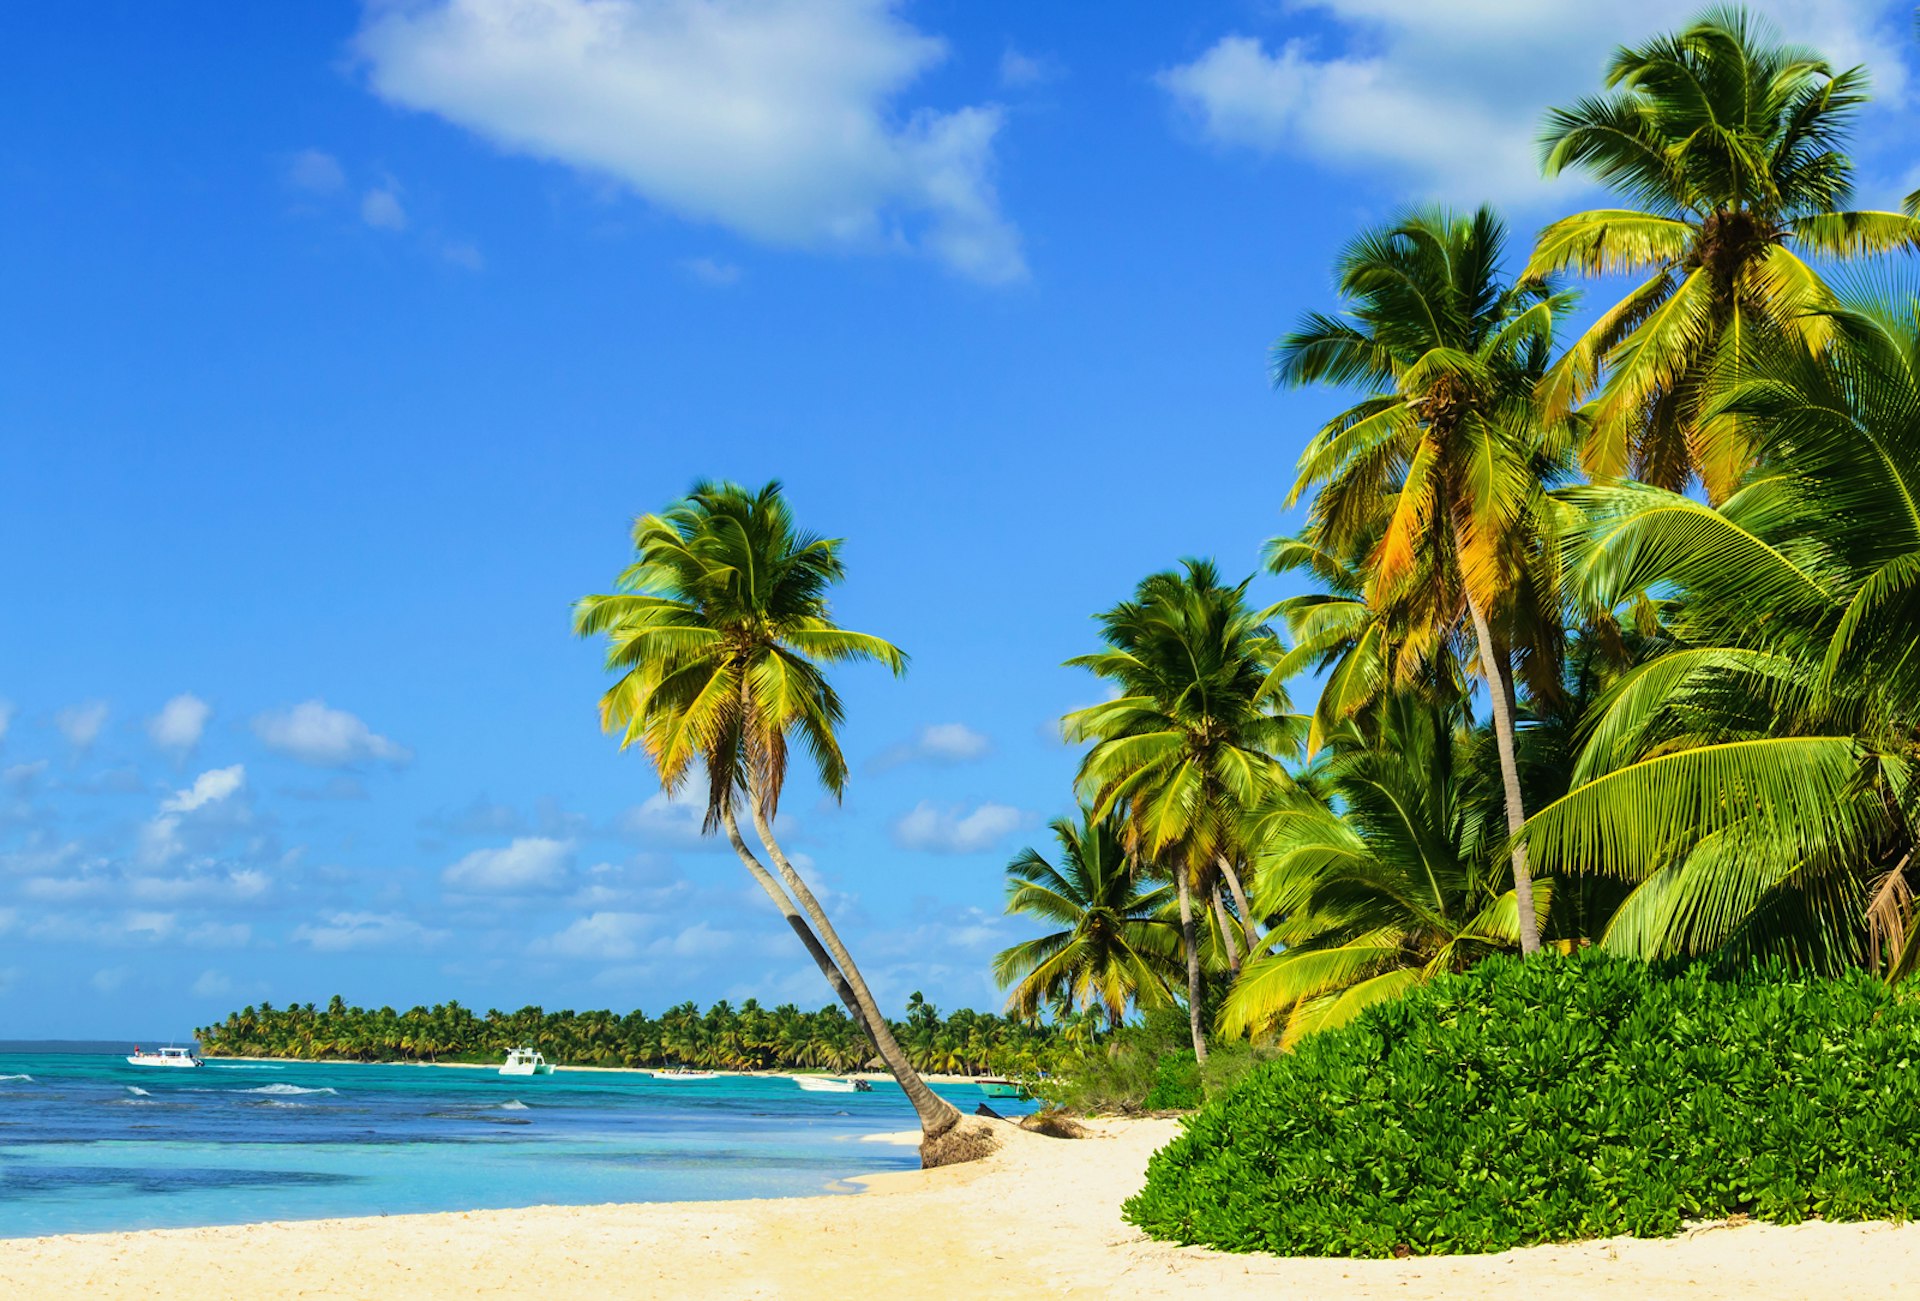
[1040,1218]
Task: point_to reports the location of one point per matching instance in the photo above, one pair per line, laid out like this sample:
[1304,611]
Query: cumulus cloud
[938,743]
[777,119]
[160,839]
[180,723]
[1447,99]
[531,863]
[954,829]
[599,937]
[327,738]
[81,724]
[343,932]
[381,209]
[315,172]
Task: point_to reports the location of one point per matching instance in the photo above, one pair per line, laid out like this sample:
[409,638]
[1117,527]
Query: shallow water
[88,1142]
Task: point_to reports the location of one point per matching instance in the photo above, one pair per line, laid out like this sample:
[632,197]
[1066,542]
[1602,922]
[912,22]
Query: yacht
[827,1084]
[525,1061]
[162,1057]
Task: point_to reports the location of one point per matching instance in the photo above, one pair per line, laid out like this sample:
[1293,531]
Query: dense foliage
[747,1037]
[1558,1099]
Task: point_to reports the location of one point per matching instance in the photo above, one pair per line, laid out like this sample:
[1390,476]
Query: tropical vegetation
[1558,1098]
[746,1037]
[1604,615]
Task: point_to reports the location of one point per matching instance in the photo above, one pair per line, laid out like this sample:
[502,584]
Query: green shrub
[1558,1099]
[1145,1067]
[1176,1082]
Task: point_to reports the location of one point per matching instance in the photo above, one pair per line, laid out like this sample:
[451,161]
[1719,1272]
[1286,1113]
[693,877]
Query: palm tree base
[968,1139]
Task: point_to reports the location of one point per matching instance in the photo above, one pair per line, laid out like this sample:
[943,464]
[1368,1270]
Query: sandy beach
[1041,1217]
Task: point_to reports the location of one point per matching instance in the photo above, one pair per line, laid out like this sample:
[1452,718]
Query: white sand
[1040,1218]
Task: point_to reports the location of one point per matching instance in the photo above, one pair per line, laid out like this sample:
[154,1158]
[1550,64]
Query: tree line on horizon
[747,1037]
[1614,634]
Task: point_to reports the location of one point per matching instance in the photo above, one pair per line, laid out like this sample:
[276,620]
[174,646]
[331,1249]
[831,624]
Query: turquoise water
[89,1143]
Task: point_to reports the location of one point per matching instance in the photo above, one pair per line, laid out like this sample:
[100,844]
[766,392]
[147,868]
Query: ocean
[90,1143]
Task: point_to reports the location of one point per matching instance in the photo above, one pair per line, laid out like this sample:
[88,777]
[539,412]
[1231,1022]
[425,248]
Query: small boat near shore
[827,1084]
[995,1086]
[680,1074]
[180,1057]
[525,1061]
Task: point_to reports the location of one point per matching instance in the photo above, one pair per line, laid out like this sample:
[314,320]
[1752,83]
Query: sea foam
[287,1090]
[27,1078]
[137,1091]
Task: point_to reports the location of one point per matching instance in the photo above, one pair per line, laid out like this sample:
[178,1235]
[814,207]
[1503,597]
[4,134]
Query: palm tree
[1402,883]
[1113,950]
[1445,462]
[718,633]
[1756,781]
[1730,145]
[1189,744]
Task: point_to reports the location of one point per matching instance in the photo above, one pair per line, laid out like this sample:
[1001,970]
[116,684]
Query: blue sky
[344,341]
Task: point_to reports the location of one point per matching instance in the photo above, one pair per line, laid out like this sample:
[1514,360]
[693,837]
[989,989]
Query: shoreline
[1041,1216]
[873,1076]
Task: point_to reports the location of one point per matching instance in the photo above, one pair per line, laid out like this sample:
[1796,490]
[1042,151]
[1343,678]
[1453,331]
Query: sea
[90,1143]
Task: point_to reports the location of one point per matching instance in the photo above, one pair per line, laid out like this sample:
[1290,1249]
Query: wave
[513,1104]
[287,1090]
[250,1067]
[27,1078]
[137,1091]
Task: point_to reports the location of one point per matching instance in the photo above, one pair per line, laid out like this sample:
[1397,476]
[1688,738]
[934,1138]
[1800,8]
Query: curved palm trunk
[1500,696]
[936,1114]
[1232,876]
[1193,964]
[842,990]
[1226,933]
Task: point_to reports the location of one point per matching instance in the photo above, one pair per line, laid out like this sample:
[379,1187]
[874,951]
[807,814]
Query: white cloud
[462,253]
[238,885]
[952,742]
[341,932]
[81,724]
[315,172]
[663,817]
[1447,98]
[1021,71]
[712,271]
[778,119]
[599,937]
[212,984]
[530,863]
[381,209]
[328,738]
[953,830]
[180,722]
[160,838]
[218,935]
[110,979]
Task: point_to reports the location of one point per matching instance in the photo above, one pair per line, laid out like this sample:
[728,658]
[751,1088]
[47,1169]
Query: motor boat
[995,1086]
[827,1084]
[680,1073]
[162,1057]
[525,1061]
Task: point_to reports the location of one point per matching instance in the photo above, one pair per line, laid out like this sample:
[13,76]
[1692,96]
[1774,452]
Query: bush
[1176,1082]
[1145,1067]
[1558,1099]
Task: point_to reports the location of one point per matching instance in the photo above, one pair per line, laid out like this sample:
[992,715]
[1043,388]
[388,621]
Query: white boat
[525,1061]
[162,1057]
[682,1074]
[827,1084]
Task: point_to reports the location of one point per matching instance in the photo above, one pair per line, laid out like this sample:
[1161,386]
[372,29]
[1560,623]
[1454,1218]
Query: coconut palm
[1114,948]
[1442,467]
[719,633]
[1730,146]
[1402,883]
[1757,781]
[1189,743]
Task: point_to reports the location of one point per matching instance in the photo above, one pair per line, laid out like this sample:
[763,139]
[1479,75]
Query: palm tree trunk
[1193,964]
[764,878]
[1226,933]
[936,1114]
[1499,676]
[1240,902]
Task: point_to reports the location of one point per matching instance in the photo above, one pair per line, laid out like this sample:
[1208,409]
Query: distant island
[747,1037]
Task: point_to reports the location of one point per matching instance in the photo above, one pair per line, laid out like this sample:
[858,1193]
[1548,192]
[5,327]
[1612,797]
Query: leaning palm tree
[1113,949]
[1190,743]
[1757,781]
[719,633]
[1402,883]
[1730,145]
[1444,464]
